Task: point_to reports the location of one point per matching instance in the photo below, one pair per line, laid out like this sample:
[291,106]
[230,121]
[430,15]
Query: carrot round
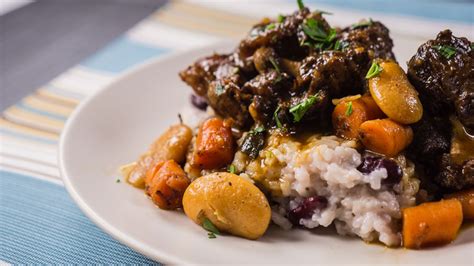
[165,184]
[214,145]
[371,107]
[430,224]
[466,197]
[349,115]
[385,136]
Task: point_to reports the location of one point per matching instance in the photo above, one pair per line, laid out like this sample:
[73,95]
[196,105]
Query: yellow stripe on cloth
[33,120]
[51,96]
[38,103]
[193,17]
[27,130]
[216,15]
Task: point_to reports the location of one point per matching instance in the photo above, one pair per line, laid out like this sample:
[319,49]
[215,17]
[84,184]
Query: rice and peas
[318,182]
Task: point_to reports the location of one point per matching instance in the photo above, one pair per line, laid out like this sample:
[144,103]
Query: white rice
[358,204]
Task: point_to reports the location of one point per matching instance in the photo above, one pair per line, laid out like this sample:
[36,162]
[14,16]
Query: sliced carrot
[214,145]
[371,107]
[466,197]
[432,223]
[165,184]
[385,136]
[349,115]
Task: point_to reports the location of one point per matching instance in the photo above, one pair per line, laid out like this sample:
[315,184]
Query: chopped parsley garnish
[318,37]
[322,12]
[374,70]
[340,45]
[362,24]
[219,88]
[446,50]
[314,31]
[349,108]
[210,227]
[211,235]
[277,120]
[281,18]
[274,64]
[300,4]
[231,169]
[300,109]
[117,180]
[259,129]
[270,26]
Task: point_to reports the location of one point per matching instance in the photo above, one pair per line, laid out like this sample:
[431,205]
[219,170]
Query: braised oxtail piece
[442,71]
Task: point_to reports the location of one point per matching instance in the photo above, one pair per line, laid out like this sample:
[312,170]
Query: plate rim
[87,210]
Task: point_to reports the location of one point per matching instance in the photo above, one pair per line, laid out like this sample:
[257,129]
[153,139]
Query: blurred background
[40,39]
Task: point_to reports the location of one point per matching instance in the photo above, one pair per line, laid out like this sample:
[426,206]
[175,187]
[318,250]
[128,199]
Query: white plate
[119,122]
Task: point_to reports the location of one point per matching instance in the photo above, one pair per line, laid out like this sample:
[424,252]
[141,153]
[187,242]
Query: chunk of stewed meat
[442,70]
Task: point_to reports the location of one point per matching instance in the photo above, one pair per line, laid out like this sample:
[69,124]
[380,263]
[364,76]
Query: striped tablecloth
[39,223]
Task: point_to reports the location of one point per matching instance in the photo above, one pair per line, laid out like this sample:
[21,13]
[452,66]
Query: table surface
[36,41]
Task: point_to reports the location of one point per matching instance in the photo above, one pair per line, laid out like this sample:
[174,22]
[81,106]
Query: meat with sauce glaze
[445,82]
[275,68]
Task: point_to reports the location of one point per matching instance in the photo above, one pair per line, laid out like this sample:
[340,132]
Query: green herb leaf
[374,70]
[446,50]
[313,30]
[281,18]
[219,88]
[300,4]
[318,37]
[256,130]
[362,24]
[259,130]
[300,109]
[340,45]
[231,169]
[349,108]
[270,26]
[322,12]
[277,120]
[209,226]
[211,235]
[274,64]
[117,180]
[331,36]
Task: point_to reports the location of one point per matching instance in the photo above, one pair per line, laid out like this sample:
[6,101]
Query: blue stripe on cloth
[40,224]
[26,136]
[41,112]
[460,11]
[120,55]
